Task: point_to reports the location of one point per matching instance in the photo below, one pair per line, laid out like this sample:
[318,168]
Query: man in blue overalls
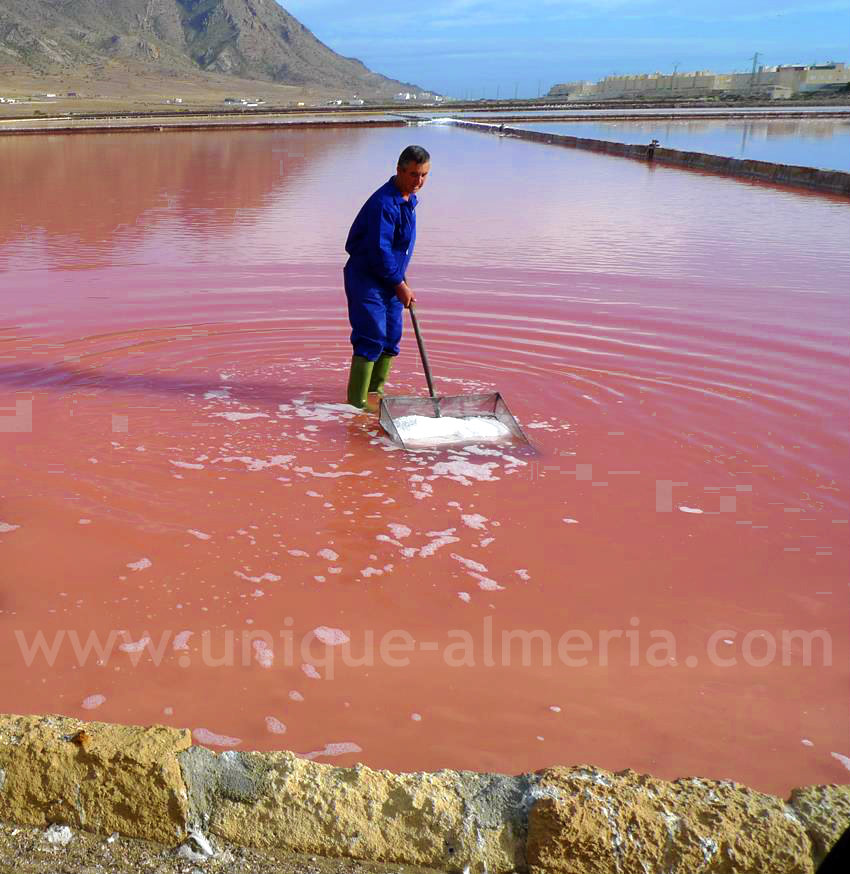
[380,245]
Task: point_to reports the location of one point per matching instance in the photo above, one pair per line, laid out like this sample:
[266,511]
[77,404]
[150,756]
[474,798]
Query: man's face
[411,177]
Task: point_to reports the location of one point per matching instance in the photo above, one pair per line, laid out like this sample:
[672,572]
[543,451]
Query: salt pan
[450,429]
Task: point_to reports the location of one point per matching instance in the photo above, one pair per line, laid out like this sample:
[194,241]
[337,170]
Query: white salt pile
[449,429]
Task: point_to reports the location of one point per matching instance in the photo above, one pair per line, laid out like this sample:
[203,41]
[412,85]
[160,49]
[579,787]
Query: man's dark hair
[413,155]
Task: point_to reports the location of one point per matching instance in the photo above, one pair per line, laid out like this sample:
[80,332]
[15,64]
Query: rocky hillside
[251,39]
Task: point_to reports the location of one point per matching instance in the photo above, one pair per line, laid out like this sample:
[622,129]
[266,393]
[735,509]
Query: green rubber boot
[379,374]
[358,381]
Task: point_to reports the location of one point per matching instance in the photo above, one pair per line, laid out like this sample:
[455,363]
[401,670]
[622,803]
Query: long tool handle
[423,355]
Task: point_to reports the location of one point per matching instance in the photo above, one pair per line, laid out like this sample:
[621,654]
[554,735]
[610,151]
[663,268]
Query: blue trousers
[375,313]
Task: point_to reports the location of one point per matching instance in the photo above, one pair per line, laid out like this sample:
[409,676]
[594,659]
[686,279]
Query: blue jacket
[380,242]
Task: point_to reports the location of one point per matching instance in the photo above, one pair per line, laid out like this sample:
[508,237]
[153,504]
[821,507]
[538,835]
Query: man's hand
[405,294]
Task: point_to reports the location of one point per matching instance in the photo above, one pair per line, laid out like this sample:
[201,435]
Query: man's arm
[405,293]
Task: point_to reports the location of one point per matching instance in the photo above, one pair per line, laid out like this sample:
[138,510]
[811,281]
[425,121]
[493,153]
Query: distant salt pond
[196,530]
[809,142]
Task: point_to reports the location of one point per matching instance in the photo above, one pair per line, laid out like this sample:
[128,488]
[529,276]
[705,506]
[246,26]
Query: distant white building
[780,81]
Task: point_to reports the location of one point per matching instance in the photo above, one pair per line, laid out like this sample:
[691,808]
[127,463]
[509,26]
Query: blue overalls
[380,245]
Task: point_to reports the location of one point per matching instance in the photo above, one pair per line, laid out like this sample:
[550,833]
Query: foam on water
[134,645]
[239,417]
[334,749]
[199,534]
[210,738]
[449,429]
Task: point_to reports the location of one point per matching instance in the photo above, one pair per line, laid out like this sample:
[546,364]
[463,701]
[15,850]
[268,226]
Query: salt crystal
[264,653]
[275,726]
[59,835]
[450,429]
[134,646]
[329,554]
[331,636]
[843,759]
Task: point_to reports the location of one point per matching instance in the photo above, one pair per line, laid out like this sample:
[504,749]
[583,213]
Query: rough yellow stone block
[825,814]
[445,820]
[595,822]
[94,776]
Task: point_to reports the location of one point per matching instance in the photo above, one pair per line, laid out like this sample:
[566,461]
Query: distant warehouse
[774,82]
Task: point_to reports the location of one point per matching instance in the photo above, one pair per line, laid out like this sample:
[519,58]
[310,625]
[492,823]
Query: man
[380,245]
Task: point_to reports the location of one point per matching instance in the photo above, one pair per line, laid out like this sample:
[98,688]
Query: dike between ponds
[827,181]
[152,783]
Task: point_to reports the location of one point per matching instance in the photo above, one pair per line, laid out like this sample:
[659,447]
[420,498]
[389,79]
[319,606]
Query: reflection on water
[823,143]
[176,463]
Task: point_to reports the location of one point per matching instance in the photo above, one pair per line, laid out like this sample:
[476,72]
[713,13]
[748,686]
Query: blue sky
[474,47]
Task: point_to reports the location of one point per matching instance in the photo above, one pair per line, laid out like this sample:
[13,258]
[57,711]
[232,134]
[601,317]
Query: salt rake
[485,406]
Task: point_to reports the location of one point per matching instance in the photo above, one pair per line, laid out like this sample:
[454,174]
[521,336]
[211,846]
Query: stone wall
[830,181]
[151,783]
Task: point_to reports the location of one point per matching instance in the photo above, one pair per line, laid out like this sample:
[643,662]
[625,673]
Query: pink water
[672,342]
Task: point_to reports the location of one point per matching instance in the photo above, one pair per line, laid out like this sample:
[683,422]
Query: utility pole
[516,89]
[539,86]
[497,92]
[755,60]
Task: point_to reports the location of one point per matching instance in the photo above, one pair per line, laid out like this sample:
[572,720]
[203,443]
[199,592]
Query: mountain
[249,39]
